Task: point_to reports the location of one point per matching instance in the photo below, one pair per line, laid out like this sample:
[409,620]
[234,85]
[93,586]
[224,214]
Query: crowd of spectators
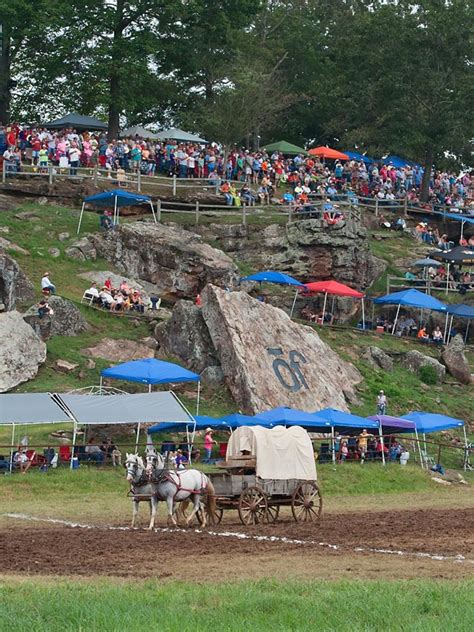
[120,299]
[247,176]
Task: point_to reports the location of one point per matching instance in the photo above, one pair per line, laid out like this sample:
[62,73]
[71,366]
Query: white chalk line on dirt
[245,536]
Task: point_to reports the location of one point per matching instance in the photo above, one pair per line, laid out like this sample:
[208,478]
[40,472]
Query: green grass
[263,605]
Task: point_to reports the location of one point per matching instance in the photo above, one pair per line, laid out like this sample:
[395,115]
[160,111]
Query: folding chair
[87,298]
[64,453]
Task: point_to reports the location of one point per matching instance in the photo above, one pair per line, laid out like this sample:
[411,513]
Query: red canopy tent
[327,152]
[335,289]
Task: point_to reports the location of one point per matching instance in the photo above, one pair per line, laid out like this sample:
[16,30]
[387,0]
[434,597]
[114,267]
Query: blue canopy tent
[202,422]
[151,371]
[460,218]
[435,422]
[353,155]
[412,298]
[461,311]
[236,420]
[280,278]
[340,420]
[292,417]
[398,162]
[115,198]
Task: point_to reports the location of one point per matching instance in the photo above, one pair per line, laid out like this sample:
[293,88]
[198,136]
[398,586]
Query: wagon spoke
[306,503]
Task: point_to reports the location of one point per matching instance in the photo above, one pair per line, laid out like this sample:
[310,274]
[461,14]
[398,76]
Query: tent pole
[80,218]
[419,449]
[137,438]
[466,452]
[198,398]
[115,211]
[467,330]
[462,228]
[74,433]
[333,445]
[381,442]
[294,303]
[12,448]
[324,306]
[149,388]
[424,445]
[396,318]
[450,327]
[373,311]
[153,211]
[445,338]
[447,280]
[363,314]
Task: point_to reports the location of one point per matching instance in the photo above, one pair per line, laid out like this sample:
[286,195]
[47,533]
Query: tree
[404,78]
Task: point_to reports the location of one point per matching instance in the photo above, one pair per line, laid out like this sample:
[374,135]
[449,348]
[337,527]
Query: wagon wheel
[272,513]
[253,506]
[306,503]
[211,521]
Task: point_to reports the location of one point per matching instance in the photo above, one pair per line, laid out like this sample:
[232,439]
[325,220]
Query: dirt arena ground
[435,543]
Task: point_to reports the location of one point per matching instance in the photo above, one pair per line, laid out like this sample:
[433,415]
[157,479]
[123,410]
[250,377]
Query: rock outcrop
[119,350]
[21,351]
[414,361]
[268,360]
[455,360]
[66,320]
[15,287]
[176,261]
[378,358]
[186,337]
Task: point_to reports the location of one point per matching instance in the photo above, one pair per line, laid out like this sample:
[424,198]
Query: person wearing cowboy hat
[208,443]
[46,284]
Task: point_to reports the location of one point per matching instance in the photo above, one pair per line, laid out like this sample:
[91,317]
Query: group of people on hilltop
[300,174]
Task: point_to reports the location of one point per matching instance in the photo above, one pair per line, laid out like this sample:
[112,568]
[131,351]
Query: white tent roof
[42,408]
[179,134]
[281,453]
[138,130]
[30,408]
[126,409]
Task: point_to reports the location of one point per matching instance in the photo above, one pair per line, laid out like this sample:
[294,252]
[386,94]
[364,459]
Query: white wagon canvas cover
[280,453]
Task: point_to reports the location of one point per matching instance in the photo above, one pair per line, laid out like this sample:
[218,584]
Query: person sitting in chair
[21,460]
[438,336]
[46,284]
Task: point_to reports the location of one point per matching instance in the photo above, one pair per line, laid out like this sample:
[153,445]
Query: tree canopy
[388,76]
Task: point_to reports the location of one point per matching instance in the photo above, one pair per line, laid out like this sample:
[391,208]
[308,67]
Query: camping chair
[223,449]
[87,298]
[427,459]
[64,453]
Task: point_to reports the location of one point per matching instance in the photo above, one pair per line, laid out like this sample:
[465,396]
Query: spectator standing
[208,443]
[381,403]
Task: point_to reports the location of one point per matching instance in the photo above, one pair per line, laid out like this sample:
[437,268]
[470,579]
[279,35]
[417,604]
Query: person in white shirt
[47,285]
[93,291]
[381,403]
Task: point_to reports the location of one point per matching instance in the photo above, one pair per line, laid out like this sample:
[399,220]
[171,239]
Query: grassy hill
[40,232]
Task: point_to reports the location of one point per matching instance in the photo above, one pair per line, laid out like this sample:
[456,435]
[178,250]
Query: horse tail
[211,500]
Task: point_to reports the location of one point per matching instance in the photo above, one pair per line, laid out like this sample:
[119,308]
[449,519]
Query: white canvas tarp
[280,453]
[30,408]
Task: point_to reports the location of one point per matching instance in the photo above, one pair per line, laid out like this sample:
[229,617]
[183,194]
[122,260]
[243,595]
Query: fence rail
[425,285]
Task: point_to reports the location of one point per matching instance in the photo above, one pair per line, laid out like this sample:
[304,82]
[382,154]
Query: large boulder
[268,360]
[176,261]
[21,351]
[186,337]
[15,287]
[378,358]
[67,320]
[414,361]
[456,362]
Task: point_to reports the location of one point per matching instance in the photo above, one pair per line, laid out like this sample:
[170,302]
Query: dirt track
[40,548]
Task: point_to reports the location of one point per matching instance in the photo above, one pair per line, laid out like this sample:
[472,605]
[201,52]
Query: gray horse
[155,483]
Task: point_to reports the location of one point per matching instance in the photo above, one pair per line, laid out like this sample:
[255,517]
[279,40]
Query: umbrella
[336,289]
[285,148]
[426,263]
[327,152]
[275,277]
[459,254]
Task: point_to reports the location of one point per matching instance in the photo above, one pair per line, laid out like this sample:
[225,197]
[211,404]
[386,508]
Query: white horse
[141,487]
[155,483]
[181,486]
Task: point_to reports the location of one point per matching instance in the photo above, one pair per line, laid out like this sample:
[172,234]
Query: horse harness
[167,476]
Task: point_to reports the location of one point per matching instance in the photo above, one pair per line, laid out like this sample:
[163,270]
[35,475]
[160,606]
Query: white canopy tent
[93,410]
